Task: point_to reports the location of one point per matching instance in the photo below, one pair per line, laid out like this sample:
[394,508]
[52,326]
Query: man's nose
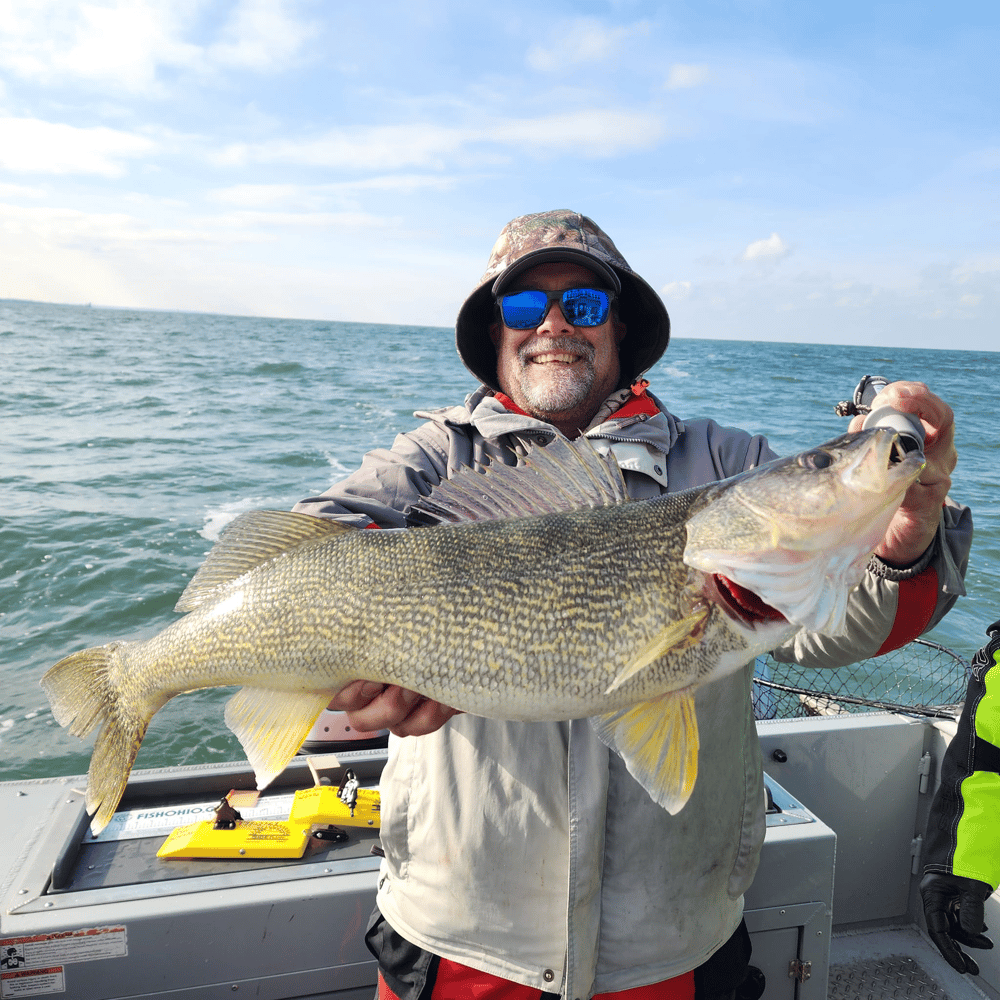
[555,323]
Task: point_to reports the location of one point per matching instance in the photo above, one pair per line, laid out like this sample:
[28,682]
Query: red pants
[459,982]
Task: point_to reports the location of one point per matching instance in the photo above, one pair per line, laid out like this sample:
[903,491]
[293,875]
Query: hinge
[799,971]
[924,770]
[916,847]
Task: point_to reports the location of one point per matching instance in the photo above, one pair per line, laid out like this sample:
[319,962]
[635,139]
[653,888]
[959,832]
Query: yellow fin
[676,636]
[85,694]
[248,542]
[271,726]
[658,741]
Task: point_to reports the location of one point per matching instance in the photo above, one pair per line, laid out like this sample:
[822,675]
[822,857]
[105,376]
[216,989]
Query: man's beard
[554,387]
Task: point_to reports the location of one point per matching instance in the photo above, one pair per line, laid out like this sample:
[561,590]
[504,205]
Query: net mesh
[920,678]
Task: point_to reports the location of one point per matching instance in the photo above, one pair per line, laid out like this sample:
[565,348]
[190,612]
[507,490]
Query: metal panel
[789,906]
[199,929]
[785,934]
[859,775]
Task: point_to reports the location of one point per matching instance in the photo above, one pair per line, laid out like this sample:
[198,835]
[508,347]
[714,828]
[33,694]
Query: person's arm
[962,843]
[387,482]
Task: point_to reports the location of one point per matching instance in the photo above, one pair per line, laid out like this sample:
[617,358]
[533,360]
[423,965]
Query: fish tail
[84,695]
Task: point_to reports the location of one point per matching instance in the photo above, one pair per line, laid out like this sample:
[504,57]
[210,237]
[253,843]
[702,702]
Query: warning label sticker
[32,966]
[40,951]
[32,982]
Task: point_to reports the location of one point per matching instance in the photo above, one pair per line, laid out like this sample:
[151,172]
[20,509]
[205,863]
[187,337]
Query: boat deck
[834,910]
[888,964]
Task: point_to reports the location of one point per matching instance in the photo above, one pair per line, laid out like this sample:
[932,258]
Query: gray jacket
[526,849]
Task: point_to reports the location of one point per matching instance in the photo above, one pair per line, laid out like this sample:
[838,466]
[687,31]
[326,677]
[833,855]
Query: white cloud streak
[28,145]
[431,145]
[682,76]
[583,40]
[262,35]
[124,45]
[315,196]
[772,248]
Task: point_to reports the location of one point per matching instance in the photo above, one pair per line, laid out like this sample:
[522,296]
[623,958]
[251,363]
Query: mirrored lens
[524,310]
[585,306]
[580,306]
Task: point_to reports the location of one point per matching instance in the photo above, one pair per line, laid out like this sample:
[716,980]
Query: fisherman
[962,845]
[521,859]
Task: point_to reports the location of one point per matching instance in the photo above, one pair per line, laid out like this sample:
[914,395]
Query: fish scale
[612,611]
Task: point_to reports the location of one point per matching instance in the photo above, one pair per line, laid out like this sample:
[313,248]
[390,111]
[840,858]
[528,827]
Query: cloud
[125,44]
[584,40]
[261,35]
[685,75]
[948,303]
[28,145]
[430,146]
[772,248]
[251,224]
[106,234]
[313,196]
[676,290]
[120,43]
[19,191]
[98,230]
[212,265]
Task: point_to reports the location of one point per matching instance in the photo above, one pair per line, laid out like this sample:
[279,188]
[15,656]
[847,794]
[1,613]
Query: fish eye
[816,459]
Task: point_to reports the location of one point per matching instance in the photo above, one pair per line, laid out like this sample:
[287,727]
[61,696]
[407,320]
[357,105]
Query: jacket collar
[642,417]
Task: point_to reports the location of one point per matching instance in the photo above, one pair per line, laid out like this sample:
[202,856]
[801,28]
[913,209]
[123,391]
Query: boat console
[106,917]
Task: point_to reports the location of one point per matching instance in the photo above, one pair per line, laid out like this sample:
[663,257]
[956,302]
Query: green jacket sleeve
[963,829]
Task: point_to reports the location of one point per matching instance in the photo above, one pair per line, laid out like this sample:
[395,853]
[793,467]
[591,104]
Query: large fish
[615,609]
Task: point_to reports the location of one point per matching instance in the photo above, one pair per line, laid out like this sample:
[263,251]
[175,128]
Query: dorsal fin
[564,475]
[248,542]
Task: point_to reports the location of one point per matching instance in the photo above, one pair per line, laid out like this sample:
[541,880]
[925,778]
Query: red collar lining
[639,404]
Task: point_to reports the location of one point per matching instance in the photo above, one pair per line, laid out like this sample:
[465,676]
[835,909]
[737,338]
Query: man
[962,846]
[521,859]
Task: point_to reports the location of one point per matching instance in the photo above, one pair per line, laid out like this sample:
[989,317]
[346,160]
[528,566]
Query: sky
[777,169]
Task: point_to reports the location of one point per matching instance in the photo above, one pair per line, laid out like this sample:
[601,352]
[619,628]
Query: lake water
[129,439]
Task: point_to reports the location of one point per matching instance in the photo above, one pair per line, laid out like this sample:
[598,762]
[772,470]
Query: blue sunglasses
[581,306]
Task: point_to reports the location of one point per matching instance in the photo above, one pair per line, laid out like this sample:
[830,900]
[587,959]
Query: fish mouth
[744,604]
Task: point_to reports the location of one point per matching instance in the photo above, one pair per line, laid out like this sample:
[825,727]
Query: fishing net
[921,678]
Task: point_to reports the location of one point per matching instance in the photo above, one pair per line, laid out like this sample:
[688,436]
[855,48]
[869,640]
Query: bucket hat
[562,236]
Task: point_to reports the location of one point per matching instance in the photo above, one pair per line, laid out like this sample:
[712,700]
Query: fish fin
[272,725]
[250,541]
[83,695]
[675,637]
[562,476]
[658,741]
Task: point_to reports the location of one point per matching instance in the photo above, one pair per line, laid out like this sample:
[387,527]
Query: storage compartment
[789,907]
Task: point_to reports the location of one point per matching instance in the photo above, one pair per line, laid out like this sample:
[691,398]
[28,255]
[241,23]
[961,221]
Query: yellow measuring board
[320,806]
[250,838]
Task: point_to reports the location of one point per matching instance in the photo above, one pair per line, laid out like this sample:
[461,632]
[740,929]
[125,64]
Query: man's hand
[370,706]
[953,906]
[916,522]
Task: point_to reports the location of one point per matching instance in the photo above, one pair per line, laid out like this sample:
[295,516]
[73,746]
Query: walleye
[596,607]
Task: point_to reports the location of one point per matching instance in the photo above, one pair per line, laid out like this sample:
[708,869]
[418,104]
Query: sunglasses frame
[557,296]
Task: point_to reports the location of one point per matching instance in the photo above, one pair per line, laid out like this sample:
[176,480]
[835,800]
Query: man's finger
[355,696]
[426,717]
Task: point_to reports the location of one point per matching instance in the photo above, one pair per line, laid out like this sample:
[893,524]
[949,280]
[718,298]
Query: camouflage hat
[562,236]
